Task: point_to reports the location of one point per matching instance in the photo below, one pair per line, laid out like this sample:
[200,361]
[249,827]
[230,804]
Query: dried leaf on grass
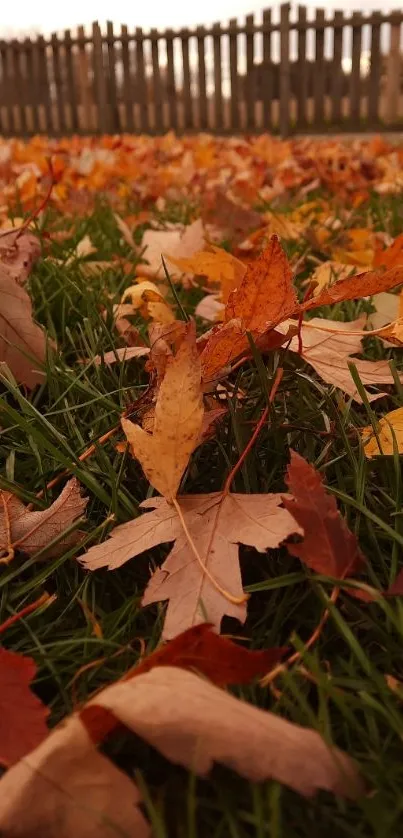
[149,300]
[66,788]
[22,715]
[328,546]
[29,532]
[219,266]
[182,243]
[22,342]
[217,524]
[124,353]
[19,250]
[359,285]
[327,274]
[178,418]
[330,354]
[389,437]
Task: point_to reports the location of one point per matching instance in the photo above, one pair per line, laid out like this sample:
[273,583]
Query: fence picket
[250,85]
[203,123]
[355,80]
[337,68]
[319,78]
[233,67]
[114,113]
[127,80]
[302,74]
[57,76]
[218,108]
[284,122]
[375,70]
[187,95]
[267,78]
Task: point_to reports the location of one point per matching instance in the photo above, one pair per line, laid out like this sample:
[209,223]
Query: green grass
[346,696]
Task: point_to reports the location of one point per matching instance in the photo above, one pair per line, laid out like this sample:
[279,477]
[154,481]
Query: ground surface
[344,694]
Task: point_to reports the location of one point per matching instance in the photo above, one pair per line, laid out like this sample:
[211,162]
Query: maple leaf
[66,788]
[22,342]
[392,256]
[178,418]
[19,250]
[217,265]
[358,285]
[329,353]
[328,547]
[22,714]
[389,437]
[217,524]
[30,531]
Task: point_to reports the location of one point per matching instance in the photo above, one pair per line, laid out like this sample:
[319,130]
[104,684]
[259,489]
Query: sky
[44,16]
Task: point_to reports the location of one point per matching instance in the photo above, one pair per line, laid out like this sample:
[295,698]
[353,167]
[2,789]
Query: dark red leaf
[328,546]
[22,714]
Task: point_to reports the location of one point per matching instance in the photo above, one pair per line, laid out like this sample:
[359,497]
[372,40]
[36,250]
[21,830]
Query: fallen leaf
[22,714]
[22,342]
[330,354]
[392,256]
[233,220]
[389,436]
[66,788]
[19,250]
[29,532]
[124,353]
[217,265]
[165,453]
[183,242]
[149,300]
[221,660]
[353,287]
[327,274]
[328,546]
[126,232]
[255,520]
[392,334]
[208,725]
[210,308]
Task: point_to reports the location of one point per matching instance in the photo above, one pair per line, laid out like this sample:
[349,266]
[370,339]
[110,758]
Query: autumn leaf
[31,531]
[328,347]
[22,342]
[392,256]
[231,218]
[19,250]
[181,242]
[124,353]
[22,714]
[72,790]
[353,287]
[149,300]
[217,524]
[210,308]
[328,546]
[218,658]
[217,265]
[389,436]
[178,418]
[327,274]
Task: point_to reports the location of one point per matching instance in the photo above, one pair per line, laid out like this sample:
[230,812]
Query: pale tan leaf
[32,531]
[146,297]
[328,273]
[195,724]
[210,308]
[65,788]
[22,342]
[178,243]
[165,454]
[217,525]
[19,250]
[126,232]
[124,353]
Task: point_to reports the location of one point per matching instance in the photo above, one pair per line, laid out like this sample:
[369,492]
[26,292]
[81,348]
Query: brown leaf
[18,252]
[266,295]
[65,788]
[328,547]
[392,256]
[22,342]
[361,285]
[330,354]
[219,266]
[165,453]
[31,531]
[255,520]
[22,714]
[233,220]
[195,724]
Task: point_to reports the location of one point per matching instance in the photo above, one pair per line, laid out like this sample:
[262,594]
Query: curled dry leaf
[22,342]
[328,546]
[182,242]
[66,788]
[389,437]
[359,285]
[217,524]
[178,418]
[328,346]
[29,532]
[219,266]
[149,300]
[22,714]
[124,353]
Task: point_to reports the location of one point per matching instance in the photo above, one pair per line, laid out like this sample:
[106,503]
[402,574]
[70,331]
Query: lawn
[327,202]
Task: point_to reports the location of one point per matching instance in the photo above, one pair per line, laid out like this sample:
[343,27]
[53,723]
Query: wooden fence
[294,69]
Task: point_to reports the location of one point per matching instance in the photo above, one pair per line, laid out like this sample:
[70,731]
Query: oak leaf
[389,437]
[217,525]
[328,546]
[22,342]
[22,714]
[178,418]
[30,531]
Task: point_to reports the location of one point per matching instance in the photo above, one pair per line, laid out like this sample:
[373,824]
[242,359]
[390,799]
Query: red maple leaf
[328,547]
[22,714]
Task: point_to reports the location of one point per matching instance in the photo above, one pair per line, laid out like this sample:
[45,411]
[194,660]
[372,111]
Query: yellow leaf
[178,418]
[146,297]
[217,265]
[390,435]
[328,273]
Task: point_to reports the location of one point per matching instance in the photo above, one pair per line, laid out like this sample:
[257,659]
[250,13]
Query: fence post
[392,88]
[100,80]
[284,123]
